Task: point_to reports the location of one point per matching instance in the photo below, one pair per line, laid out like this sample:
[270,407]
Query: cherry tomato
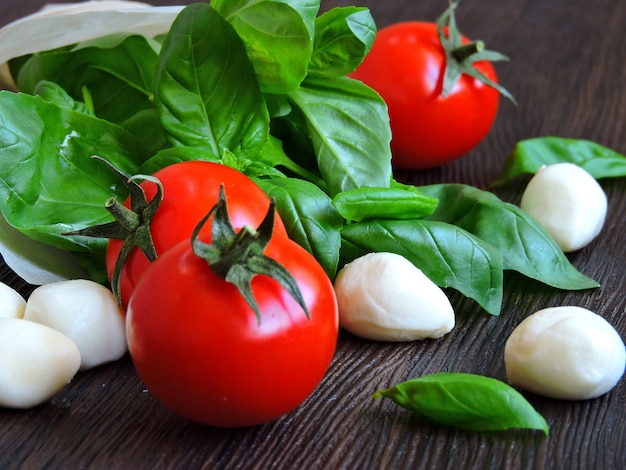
[190,189]
[406,67]
[201,350]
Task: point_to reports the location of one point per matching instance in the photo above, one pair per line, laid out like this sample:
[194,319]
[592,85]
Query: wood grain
[567,72]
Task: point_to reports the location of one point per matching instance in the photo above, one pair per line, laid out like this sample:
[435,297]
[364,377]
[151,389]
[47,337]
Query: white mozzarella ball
[36,362]
[86,312]
[384,297]
[12,304]
[568,202]
[565,352]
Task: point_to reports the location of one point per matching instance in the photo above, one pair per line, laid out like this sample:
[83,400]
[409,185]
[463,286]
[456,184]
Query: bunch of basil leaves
[260,86]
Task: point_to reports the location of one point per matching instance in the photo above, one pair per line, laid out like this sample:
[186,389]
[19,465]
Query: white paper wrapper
[61,25]
[35,262]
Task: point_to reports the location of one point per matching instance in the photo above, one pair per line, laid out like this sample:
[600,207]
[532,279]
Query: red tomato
[406,66]
[190,189]
[200,349]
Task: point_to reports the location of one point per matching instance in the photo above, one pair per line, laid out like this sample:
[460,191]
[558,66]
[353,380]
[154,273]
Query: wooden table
[568,73]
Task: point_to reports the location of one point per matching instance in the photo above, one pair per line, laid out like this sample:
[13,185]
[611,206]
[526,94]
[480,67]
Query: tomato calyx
[130,225]
[237,257]
[460,57]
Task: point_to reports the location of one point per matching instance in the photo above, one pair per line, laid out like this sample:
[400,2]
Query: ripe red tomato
[200,349]
[406,67]
[190,189]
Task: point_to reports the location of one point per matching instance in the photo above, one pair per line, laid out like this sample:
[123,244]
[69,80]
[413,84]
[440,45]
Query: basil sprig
[466,401]
[260,86]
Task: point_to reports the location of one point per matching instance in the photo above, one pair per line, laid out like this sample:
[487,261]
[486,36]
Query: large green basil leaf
[278,35]
[343,37]
[206,90]
[447,254]
[117,71]
[310,218]
[526,247]
[531,154]
[49,184]
[349,128]
[466,401]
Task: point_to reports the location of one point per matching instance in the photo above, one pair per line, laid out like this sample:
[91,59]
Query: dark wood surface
[568,73]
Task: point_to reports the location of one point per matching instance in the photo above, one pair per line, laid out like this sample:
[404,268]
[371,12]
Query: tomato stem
[122,214]
[460,57]
[465,51]
[237,257]
[235,252]
[130,225]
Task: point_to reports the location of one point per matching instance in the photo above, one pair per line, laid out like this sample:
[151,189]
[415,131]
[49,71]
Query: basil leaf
[174,155]
[343,37]
[349,128]
[448,255]
[53,93]
[278,35]
[206,91]
[273,155]
[466,401]
[530,155]
[383,203]
[49,184]
[146,126]
[525,245]
[117,70]
[310,218]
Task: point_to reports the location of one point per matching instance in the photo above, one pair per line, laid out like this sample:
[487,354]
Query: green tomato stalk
[131,225]
[238,256]
[460,57]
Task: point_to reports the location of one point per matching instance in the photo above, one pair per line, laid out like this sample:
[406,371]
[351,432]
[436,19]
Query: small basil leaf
[54,93]
[174,155]
[278,35]
[206,91]
[349,128]
[466,401]
[530,155]
[343,37]
[272,154]
[310,218]
[525,245]
[251,168]
[448,255]
[383,203]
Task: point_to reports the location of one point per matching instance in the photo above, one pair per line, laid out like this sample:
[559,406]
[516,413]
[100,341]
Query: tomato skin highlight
[190,189]
[200,349]
[406,66]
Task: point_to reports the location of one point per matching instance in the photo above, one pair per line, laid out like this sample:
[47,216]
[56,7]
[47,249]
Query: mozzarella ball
[568,202]
[36,362]
[384,297]
[87,313]
[12,304]
[566,352]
